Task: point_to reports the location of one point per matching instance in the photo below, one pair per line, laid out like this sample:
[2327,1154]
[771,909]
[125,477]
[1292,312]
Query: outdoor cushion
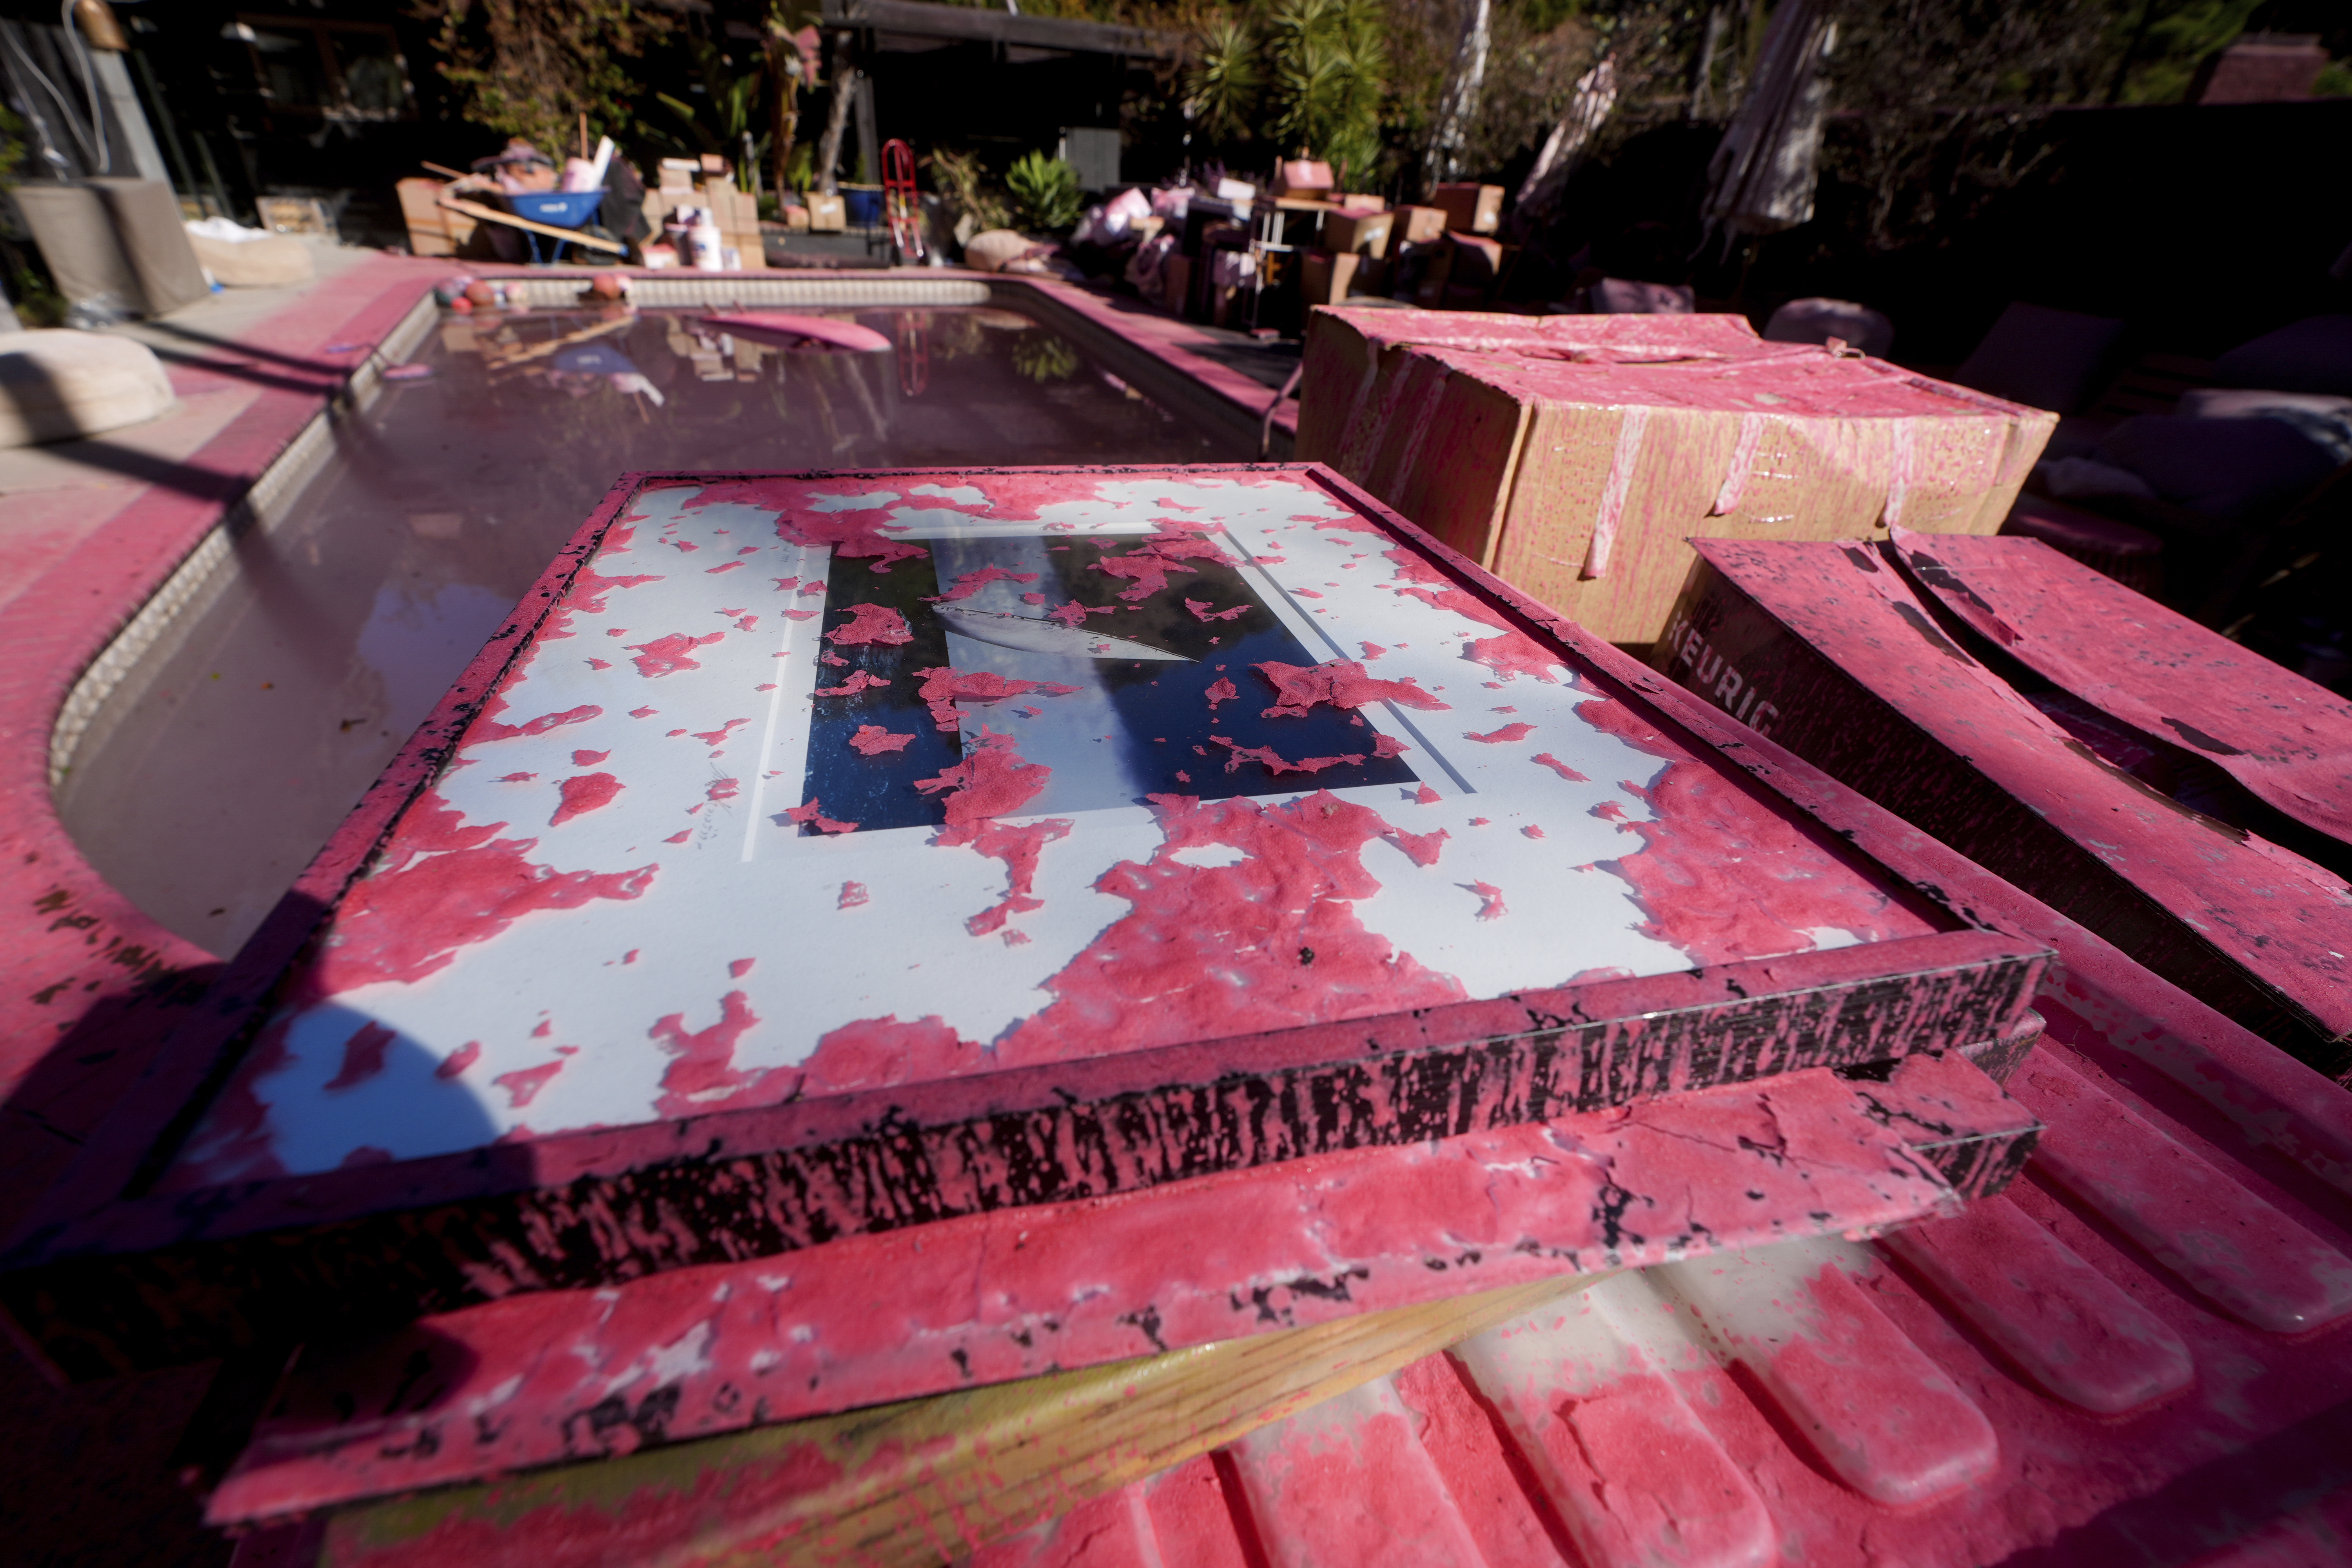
[272,261]
[57,384]
[1623,296]
[2326,420]
[2241,469]
[2045,358]
[2314,355]
[1818,320]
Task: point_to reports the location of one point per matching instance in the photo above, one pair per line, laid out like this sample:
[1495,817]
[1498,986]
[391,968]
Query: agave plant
[1046,190]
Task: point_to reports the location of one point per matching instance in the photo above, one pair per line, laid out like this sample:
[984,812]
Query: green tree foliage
[1045,192]
[1307,74]
[963,184]
[532,67]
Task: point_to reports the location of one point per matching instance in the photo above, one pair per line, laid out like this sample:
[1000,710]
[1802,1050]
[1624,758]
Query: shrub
[1045,191]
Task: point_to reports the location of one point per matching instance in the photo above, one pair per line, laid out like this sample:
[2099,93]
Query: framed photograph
[821,855]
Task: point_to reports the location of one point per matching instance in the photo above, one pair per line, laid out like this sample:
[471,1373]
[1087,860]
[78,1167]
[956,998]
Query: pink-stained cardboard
[2287,740]
[1573,456]
[1830,648]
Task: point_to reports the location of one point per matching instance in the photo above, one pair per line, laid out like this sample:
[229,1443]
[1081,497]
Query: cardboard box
[1302,177]
[1435,271]
[1176,283]
[1470,209]
[825,214]
[1417,226]
[1366,234]
[1477,261]
[1582,482]
[433,229]
[1326,277]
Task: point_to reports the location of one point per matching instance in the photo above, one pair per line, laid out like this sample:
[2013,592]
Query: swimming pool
[220,750]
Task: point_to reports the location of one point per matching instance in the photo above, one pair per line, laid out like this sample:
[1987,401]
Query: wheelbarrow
[561,216]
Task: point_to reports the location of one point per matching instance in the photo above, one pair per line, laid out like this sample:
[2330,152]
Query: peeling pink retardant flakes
[523,1086]
[442,885]
[600,664]
[1201,611]
[1514,653]
[741,967]
[971,582]
[1421,848]
[713,737]
[1268,758]
[669,655]
[854,533]
[730,566]
[723,789]
[810,814]
[643,712]
[871,624]
[1725,878]
[1507,732]
[1224,691]
[1016,939]
[858,681]
[679,838]
[1372,650]
[458,1060]
[1532,831]
[514,778]
[589,587]
[487,727]
[1340,682]
[874,741]
[945,686]
[1269,942]
[363,1056]
[584,792]
[993,781]
[1075,614]
[1426,796]
[852,895]
[1148,565]
[1492,909]
[1562,769]
[585,759]
[702,1069]
[1389,746]
[874,1053]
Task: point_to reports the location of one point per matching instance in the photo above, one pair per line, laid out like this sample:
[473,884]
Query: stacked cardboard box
[1573,456]
[433,229]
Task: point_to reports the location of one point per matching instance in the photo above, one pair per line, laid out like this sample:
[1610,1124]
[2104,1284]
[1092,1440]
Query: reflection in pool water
[216,771]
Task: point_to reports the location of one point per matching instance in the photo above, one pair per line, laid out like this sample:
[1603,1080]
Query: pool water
[216,771]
